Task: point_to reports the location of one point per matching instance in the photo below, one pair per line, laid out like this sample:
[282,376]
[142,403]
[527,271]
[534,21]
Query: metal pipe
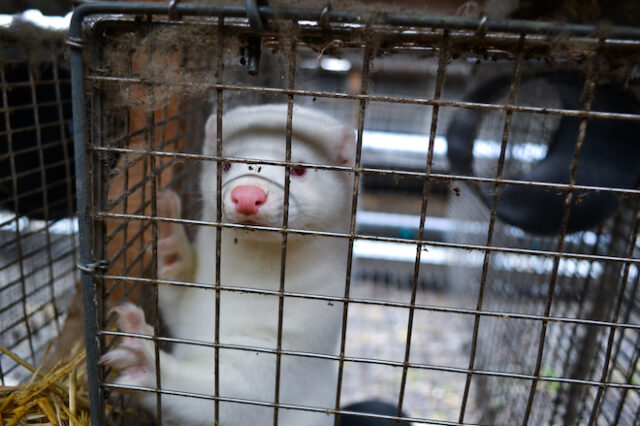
[82,192]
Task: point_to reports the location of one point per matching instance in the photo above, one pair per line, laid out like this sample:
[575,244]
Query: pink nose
[248,199]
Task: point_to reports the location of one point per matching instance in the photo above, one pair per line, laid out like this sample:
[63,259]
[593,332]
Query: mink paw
[133,356]
[175,254]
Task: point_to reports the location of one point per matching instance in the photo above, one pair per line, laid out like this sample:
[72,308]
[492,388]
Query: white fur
[319,200]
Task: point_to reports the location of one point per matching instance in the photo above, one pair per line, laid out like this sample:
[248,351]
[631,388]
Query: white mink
[319,200]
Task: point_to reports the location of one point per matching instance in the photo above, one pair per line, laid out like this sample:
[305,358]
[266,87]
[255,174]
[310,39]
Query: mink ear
[211,135]
[345,146]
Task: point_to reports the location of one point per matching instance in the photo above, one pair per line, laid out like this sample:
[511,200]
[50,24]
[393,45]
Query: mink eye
[226,166]
[298,171]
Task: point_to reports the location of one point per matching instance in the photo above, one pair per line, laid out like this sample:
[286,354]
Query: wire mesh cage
[583,290]
[38,238]
[481,186]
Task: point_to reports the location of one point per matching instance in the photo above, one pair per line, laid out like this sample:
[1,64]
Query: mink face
[254,193]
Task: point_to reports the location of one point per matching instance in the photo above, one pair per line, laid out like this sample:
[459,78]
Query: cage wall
[476,287]
[38,237]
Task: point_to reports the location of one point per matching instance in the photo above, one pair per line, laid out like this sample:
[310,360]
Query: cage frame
[615,36]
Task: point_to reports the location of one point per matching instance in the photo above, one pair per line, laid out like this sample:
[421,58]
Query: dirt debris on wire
[158,63]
